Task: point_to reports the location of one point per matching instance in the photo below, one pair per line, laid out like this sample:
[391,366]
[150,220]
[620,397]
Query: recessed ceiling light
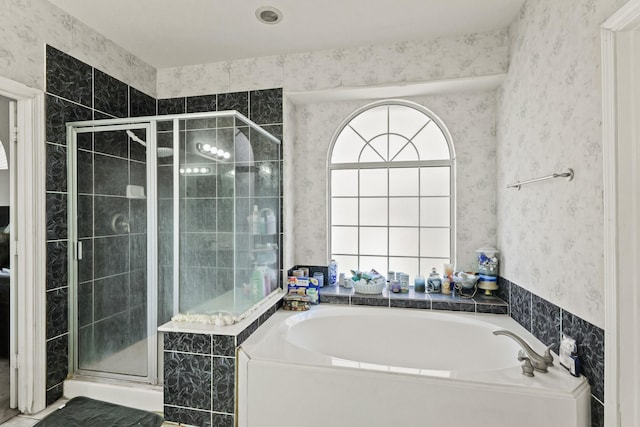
[268,15]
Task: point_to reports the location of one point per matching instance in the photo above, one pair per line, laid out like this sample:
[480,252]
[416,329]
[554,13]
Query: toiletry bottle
[255,220]
[333,272]
[271,223]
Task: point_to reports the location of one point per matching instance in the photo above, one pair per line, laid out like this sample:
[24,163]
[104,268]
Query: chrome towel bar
[568,174]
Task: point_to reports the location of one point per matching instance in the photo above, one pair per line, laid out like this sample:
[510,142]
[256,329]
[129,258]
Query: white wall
[27,25]
[549,114]
[4,137]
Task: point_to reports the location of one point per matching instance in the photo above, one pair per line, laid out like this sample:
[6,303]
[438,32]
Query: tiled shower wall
[547,322]
[76,91]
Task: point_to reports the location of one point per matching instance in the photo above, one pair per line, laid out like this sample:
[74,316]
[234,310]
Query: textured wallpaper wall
[27,25]
[549,114]
[412,61]
[470,119]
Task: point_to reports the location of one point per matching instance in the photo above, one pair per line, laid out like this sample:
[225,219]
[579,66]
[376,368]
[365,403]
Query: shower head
[162,151]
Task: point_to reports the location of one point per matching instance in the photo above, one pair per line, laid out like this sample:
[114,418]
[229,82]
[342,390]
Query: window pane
[396,144]
[434,242]
[347,147]
[431,143]
[373,182]
[379,264]
[345,263]
[403,182]
[403,241]
[405,120]
[373,211]
[344,182]
[371,123]
[427,264]
[403,211]
[405,265]
[435,181]
[373,241]
[344,240]
[370,155]
[434,211]
[408,153]
[344,211]
[381,145]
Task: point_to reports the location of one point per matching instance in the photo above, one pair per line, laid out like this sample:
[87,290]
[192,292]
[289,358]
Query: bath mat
[84,412]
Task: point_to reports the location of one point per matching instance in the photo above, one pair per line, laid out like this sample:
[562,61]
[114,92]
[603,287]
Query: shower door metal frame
[74,250]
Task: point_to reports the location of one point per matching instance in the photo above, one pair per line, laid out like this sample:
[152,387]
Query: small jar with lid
[488,261]
[434,283]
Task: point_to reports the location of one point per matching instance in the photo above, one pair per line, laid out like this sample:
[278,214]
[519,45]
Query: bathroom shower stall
[167,215]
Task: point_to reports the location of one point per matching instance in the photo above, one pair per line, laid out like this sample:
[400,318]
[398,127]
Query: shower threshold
[127,393]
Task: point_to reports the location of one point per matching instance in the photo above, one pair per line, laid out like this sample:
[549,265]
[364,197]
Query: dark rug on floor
[84,412]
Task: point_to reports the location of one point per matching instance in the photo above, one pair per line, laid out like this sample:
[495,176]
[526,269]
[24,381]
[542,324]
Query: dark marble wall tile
[238,101]
[171,106]
[202,186]
[84,221]
[138,288]
[545,321]
[223,398]
[504,289]
[54,394]
[138,216]
[57,360]
[189,417]
[68,77]
[461,305]
[111,175]
[111,296]
[85,303]
[266,106]
[141,104]
[222,420]
[267,179]
[106,209]
[187,380]
[274,130]
[57,264]
[492,308]
[113,334]
[521,306]
[597,413]
[186,342]
[138,174]
[374,300]
[110,256]
[85,265]
[242,336]
[198,249]
[115,143]
[58,113]
[199,215]
[201,104]
[84,171]
[419,301]
[57,312]
[138,252]
[267,314]
[334,299]
[110,95]
[85,141]
[56,168]
[56,206]
[590,341]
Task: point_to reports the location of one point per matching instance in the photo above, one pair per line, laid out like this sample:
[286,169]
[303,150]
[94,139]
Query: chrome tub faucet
[532,360]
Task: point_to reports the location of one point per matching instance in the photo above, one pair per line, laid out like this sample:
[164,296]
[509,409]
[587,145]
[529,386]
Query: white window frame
[377,165]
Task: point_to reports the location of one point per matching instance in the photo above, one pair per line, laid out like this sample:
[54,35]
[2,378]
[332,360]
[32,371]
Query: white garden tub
[364,366]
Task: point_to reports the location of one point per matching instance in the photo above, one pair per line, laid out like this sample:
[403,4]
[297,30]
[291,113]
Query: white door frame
[28,246]
[620,35]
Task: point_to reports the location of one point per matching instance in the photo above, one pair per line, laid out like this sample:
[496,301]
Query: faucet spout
[540,362]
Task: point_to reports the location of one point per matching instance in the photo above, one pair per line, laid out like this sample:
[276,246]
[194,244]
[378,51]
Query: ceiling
[171,33]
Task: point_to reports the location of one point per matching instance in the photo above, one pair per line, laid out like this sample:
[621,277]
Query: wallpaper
[412,61]
[27,25]
[470,119]
[549,114]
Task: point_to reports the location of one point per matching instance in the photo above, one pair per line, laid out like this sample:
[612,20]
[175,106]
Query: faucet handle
[547,356]
[527,366]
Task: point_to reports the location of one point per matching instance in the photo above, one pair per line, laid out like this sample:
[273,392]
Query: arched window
[392,190]
[4,164]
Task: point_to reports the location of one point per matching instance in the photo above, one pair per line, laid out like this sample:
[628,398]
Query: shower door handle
[79,251]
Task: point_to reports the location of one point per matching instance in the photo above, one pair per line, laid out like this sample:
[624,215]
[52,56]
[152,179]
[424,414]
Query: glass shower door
[111,216]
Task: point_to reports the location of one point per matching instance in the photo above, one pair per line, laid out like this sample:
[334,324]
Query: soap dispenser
[255,220]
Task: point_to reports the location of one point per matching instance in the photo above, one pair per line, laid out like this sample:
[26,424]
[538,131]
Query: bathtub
[367,366]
